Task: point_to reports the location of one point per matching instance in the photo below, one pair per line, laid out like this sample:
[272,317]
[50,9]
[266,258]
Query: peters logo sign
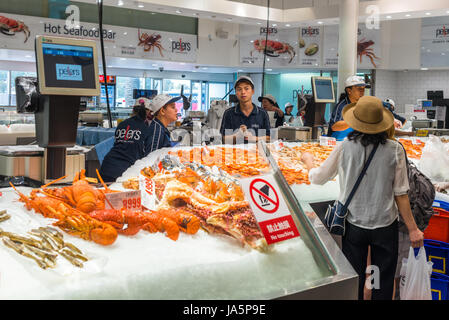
[442,32]
[310,32]
[127,135]
[69,72]
[180,46]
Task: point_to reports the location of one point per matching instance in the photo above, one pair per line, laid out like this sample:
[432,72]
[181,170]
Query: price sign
[422,133]
[146,185]
[328,141]
[130,200]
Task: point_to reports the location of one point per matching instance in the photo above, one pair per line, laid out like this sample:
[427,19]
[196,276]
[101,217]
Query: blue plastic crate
[438,253]
[439,284]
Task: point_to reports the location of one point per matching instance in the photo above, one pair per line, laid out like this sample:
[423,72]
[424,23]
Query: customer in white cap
[135,140]
[354,90]
[245,121]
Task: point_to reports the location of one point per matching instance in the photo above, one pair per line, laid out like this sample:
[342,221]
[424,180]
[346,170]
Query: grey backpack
[421,196]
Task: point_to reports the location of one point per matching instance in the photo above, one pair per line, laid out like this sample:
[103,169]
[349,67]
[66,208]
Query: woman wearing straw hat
[380,197]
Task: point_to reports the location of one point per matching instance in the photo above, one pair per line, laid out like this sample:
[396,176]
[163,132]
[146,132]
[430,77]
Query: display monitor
[144,93]
[67,66]
[425,104]
[323,90]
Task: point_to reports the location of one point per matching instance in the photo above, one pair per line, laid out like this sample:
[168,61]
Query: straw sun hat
[368,115]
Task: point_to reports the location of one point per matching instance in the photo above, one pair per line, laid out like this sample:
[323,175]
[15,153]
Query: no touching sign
[270,209]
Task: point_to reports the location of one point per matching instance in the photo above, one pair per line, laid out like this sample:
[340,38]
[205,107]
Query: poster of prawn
[435,42]
[368,47]
[281,47]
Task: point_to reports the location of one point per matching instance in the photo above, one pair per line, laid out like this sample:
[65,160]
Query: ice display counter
[198,266]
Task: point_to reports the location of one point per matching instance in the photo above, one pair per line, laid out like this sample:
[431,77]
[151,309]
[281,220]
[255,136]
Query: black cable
[100,21]
[265,49]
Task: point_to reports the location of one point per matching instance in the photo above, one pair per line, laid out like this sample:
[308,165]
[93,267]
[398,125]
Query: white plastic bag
[415,276]
[434,161]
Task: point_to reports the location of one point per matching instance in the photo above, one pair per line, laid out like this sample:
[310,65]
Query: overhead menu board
[435,42]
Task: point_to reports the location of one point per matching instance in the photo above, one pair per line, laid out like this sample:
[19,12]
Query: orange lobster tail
[163,223]
[186,221]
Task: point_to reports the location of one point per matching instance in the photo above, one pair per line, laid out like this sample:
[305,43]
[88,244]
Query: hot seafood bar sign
[19,32]
[435,42]
[281,48]
[269,208]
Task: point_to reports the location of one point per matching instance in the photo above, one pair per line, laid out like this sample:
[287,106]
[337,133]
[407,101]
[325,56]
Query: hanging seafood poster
[281,48]
[310,46]
[368,47]
[330,46]
[19,32]
[435,42]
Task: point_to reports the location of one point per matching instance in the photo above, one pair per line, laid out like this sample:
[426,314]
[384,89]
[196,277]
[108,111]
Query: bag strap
[359,179]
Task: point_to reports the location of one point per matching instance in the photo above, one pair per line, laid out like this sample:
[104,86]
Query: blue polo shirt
[257,121]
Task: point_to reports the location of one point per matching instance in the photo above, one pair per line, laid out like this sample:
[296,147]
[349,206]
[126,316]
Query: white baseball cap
[390,101]
[161,100]
[145,101]
[243,78]
[288,104]
[355,81]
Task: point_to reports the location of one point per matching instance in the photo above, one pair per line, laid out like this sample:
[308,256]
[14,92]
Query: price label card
[328,141]
[422,133]
[147,188]
[130,200]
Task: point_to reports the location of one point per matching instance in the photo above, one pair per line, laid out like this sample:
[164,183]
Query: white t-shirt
[373,205]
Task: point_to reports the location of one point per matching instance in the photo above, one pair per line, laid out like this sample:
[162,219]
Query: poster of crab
[368,47]
[281,47]
[310,46]
[435,42]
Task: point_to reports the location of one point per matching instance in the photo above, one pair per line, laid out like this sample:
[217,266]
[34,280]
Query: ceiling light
[178,11]
[424,69]
[259,23]
[447,11]
[388,17]
[154,65]
[27,56]
[182,63]
[408,15]
[122,58]
[428,13]
[269,69]
[274,24]
[120,3]
[320,22]
[140,5]
[125,33]
[287,25]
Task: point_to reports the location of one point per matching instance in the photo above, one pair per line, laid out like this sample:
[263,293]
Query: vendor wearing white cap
[398,120]
[288,116]
[269,103]
[245,120]
[135,140]
[354,90]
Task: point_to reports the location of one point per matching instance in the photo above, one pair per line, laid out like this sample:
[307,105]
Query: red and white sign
[146,186]
[328,141]
[129,200]
[269,208]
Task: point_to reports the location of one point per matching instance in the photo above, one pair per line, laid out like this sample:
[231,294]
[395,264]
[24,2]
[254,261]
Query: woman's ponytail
[140,111]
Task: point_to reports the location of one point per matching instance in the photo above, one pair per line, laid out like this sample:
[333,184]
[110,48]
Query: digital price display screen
[323,89]
[68,66]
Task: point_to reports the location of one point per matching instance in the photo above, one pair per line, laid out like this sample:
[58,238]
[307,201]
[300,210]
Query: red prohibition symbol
[262,195]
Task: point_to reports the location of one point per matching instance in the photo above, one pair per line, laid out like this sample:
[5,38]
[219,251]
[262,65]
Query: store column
[347,41]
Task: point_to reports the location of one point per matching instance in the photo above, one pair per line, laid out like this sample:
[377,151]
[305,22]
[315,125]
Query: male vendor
[245,122]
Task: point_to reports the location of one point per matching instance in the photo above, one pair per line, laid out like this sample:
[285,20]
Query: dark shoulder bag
[336,214]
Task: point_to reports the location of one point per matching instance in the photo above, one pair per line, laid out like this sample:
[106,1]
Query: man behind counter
[245,122]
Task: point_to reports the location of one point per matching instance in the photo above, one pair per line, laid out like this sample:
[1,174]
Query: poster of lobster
[310,46]
[435,42]
[281,47]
